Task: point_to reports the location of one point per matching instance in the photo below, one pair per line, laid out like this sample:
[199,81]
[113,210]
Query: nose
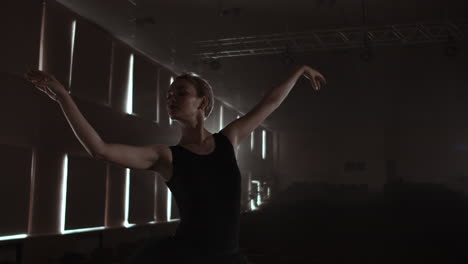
[170,100]
[171,104]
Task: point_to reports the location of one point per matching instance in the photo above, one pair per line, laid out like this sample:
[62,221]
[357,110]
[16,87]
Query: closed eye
[180,94]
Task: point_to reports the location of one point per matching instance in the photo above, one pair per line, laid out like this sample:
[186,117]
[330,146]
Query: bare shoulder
[230,135]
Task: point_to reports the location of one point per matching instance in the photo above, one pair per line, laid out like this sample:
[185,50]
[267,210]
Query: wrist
[60,96]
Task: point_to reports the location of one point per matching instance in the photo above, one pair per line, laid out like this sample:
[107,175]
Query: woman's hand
[46,83]
[316,78]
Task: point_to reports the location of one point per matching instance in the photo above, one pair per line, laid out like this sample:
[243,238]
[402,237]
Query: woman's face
[182,100]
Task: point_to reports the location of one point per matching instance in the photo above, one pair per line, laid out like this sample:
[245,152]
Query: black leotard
[207,191]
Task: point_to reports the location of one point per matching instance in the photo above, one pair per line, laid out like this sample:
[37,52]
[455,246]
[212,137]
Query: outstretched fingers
[316,84]
[38,76]
[322,79]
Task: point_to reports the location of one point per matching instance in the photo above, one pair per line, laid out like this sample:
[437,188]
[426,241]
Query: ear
[204,103]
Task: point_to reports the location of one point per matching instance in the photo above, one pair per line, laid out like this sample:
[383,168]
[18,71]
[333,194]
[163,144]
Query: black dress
[207,190]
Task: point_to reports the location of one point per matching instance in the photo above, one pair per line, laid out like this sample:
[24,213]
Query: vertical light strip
[127,196]
[252,140]
[106,209]
[238,145]
[158,99]
[129,106]
[33,184]
[63,193]
[42,37]
[268,192]
[169,204]
[221,113]
[155,212]
[259,197]
[263,144]
[172,80]
[73,30]
[111,75]
[250,180]
[252,202]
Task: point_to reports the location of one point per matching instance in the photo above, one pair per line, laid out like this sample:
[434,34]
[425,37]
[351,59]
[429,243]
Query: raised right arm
[135,157]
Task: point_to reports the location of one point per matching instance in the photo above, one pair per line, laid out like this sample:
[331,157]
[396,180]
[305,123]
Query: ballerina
[201,170]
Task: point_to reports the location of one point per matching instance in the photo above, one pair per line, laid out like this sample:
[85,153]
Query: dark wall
[43,161]
[403,111]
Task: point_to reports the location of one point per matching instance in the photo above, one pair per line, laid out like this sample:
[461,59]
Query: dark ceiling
[168,30]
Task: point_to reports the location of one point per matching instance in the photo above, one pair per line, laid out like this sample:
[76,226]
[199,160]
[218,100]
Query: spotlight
[142,21]
[367,54]
[287,59]
[213,63]
[236,11]
[451,48]
[450,51]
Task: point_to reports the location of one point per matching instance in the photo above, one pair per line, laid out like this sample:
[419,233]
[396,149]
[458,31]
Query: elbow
[269,99]
[96,154]
[98,151]
[275,102]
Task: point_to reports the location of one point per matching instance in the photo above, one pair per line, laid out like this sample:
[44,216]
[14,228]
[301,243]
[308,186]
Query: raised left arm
[240,128]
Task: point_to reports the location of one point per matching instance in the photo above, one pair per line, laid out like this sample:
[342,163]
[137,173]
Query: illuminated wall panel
[91,68]
[15,188]
[145,84]
[85,192]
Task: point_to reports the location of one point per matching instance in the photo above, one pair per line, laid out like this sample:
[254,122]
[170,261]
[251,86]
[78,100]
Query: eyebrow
[182,88]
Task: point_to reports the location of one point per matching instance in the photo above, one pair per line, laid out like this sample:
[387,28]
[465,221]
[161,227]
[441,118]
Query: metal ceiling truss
[340,38]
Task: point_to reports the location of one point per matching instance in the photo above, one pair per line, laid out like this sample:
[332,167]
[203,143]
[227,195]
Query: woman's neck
[193,136]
